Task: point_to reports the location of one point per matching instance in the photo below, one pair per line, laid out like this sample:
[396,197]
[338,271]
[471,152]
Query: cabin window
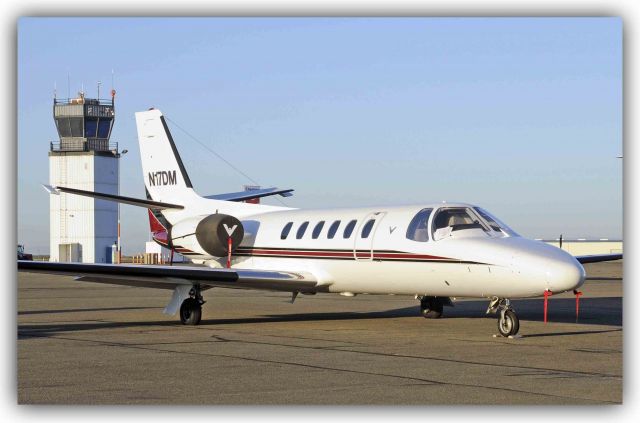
[418,229]
[316,231]
[348,230]
[333,229]
[366,229]
[301,230]
[286,230]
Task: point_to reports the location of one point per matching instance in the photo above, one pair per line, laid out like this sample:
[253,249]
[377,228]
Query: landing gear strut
[431,307]
[508,322]
[191,308]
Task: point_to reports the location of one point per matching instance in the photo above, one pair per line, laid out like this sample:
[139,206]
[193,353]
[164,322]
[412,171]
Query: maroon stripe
[300,253]
[411,256]
[342,253]
[360,254]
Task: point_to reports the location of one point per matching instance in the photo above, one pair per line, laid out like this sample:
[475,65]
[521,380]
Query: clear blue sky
[522,116]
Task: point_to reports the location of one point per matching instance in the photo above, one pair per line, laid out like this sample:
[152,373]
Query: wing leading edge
[598,258]
[171,277]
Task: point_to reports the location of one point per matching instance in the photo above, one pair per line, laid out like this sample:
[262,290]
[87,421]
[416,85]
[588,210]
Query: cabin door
[364,235]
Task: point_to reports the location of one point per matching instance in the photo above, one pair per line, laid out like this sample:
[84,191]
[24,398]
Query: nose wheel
[508,322]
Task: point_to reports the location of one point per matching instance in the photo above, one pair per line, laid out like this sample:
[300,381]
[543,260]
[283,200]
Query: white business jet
[431,251]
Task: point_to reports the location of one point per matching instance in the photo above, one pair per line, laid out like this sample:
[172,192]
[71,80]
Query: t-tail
[166,179]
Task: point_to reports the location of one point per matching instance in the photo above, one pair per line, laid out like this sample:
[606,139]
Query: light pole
[122,153]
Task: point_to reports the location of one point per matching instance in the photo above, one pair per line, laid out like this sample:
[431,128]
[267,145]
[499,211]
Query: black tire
[190,312]
[431,308]
[510,325]
[431,314]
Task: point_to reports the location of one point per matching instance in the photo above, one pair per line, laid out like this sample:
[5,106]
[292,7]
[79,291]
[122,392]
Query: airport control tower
[83,229]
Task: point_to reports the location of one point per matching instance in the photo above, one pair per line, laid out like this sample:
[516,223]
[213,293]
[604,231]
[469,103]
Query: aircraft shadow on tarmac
[593,311]
[81,310]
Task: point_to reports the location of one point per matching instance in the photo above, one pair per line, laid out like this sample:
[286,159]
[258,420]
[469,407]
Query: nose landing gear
[508,322]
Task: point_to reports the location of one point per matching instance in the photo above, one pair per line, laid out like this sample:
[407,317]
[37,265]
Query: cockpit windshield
[450,219]
[496,224]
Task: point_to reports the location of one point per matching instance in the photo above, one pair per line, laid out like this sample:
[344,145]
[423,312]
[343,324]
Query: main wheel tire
[428,313]
[190,312]
[431,308]
[508,324]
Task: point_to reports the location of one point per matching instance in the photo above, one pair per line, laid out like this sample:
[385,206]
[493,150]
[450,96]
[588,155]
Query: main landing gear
[508,322]
[191,308]
[432,307]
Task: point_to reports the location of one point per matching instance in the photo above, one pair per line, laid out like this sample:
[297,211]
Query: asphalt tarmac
[83,343]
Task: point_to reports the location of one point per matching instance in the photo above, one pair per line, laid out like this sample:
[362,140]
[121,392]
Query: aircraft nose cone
[564,274]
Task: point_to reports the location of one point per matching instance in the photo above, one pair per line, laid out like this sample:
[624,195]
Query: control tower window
[63,127]
[103,128]
[76,127]
[418,229]
[90,128]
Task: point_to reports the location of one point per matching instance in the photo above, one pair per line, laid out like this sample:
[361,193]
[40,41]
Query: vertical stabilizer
[166,179]
[163,171]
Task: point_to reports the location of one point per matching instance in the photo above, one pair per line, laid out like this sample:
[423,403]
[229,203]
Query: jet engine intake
[208,235]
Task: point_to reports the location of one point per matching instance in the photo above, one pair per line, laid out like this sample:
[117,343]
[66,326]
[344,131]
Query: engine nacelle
[208,235]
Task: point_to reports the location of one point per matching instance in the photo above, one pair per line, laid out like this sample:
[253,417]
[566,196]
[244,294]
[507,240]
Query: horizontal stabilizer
[252,194]
[149,204]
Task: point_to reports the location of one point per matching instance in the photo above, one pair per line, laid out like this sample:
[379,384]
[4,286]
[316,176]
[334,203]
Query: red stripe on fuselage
[339,254]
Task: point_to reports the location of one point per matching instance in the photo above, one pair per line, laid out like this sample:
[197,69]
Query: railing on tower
[82,100]
[80,144]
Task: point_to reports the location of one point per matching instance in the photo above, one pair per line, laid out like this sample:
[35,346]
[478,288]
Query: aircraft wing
[598,257]
[171,277]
